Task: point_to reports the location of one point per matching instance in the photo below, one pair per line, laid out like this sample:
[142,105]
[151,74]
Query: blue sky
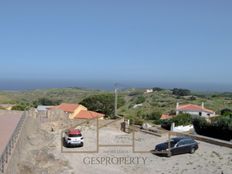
[150,42]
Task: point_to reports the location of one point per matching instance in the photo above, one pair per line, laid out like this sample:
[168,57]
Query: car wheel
[64,143]
[192,150]
[169,154]
[82,144]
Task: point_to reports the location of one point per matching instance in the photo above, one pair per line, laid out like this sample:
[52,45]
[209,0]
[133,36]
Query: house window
[200,114]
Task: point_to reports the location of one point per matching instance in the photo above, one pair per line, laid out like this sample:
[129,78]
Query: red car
[73,137]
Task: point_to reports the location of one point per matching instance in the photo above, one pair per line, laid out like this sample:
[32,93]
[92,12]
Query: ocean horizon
[19,85]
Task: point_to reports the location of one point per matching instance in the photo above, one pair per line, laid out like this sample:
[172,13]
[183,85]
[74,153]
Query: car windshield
[74,135]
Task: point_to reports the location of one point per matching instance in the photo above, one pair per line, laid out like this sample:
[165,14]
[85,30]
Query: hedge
[220,128]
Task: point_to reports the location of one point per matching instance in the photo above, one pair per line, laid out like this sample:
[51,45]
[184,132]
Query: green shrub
[181,92]
[140,99]
[152,116]
[21,107]
[157,89]
[182,119]
[138,121]
[220,128]
[226,112]
[46,101]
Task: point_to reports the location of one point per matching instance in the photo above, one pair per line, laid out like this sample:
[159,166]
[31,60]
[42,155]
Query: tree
[220,128]
[181,92]
[46,101]
[103,103]
[21,107]
[226,111]
[140,99]
[157,89]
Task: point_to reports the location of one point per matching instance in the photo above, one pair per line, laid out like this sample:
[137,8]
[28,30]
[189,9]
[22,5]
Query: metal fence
[9,149]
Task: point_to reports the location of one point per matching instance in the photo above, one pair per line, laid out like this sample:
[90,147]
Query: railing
[7,152]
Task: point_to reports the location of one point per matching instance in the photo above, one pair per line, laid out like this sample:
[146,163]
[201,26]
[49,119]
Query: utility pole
[115,101]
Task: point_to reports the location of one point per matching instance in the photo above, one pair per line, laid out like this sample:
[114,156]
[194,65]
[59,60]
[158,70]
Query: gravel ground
[207,159]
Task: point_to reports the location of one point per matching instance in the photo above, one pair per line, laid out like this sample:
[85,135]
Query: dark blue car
[178,145]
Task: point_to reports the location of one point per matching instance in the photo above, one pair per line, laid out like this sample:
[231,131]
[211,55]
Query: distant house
[77,111]
[42,108]
[194,110]
[148,91]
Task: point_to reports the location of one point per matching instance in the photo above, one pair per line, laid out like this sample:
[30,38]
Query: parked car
[178,145]
[73,137]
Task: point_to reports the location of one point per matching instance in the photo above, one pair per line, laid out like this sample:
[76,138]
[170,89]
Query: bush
[46,101]
[140,99]
[181,119]
[181,92]
[2,108]
[157,89]
[152,116]
[138,121]
[21,107]
[220,128]
[226,112]
[166,124]
[135,93]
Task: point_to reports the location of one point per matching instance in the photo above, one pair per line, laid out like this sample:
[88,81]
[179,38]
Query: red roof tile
[191,107]
[166,116]
[83,114]
[66,107]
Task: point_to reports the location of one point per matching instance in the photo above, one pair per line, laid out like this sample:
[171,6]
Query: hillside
[74,95]
[165,102]
[162,101]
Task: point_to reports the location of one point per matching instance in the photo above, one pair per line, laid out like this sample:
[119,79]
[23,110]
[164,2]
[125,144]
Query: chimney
[177,105]
[202,105]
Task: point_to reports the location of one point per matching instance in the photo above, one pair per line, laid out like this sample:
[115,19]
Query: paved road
[8,123]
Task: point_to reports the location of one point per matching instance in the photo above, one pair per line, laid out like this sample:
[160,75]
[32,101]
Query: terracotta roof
[191,107]
[66,107]
[166,116]
[83,114]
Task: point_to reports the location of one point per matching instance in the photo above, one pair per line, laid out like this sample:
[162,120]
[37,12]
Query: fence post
[2,164]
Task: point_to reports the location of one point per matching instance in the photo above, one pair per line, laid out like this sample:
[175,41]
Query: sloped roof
[192,107]
[166,116]
[66,107]
[83,114]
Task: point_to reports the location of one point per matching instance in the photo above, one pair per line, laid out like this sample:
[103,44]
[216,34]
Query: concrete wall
[203,114]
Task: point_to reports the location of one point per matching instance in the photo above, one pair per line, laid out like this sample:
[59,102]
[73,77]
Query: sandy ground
[44,155]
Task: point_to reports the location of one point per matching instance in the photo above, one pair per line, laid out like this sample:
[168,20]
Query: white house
[194,110]
[149,91]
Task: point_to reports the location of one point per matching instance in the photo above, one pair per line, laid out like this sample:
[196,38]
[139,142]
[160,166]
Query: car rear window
[74,135]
